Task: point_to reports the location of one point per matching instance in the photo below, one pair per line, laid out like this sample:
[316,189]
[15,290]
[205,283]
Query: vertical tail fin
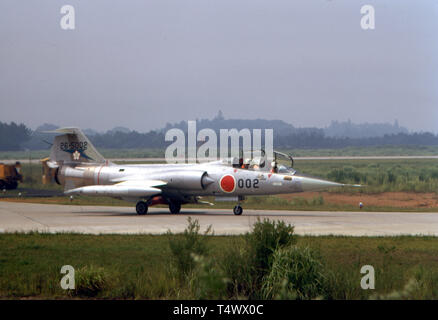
[73,147]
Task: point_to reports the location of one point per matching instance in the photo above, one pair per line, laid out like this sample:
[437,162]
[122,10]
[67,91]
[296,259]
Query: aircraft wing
[129,188]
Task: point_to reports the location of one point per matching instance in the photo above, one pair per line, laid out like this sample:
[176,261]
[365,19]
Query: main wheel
[174,207]
[237,210]
[141,208]
[13,185]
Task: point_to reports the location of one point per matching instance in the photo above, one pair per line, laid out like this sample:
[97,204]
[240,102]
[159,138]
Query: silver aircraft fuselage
[186,179]
[77,165]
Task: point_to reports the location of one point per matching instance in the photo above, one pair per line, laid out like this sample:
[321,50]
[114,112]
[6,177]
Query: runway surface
[98,219]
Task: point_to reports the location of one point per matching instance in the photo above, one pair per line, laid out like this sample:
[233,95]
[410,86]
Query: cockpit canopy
[257,160]
[284,162]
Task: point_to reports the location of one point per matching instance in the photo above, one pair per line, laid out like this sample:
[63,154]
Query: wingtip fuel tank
[115,191]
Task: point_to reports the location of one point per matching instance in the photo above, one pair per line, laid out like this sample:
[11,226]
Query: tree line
[317,139]
[13,135]
[19,137]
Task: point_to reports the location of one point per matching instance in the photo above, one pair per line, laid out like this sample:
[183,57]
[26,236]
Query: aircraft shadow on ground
[105,213]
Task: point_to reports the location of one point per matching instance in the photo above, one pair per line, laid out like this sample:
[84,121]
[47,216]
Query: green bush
[90,281]
[185,245]
[245,265]
[266,237]
[296,273]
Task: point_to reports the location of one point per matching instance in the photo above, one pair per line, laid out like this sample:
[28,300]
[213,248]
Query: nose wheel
[141,208]
[238,210]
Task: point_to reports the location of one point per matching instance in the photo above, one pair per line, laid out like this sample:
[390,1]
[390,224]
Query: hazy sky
[143,63]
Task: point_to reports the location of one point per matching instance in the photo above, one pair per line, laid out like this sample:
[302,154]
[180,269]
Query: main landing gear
[174,207]
[141,208]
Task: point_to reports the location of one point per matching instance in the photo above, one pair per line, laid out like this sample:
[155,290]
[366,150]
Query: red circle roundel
[228,183]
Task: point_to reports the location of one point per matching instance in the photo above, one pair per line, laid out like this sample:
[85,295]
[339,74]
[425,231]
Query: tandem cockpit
[281,163]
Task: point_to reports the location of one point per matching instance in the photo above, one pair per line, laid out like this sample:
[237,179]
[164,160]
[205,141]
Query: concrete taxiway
[26,217]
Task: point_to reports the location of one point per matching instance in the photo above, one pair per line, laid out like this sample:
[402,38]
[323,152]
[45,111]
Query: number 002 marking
[248,183]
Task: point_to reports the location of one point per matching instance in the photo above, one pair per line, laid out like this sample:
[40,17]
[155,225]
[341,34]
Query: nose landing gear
[238,210]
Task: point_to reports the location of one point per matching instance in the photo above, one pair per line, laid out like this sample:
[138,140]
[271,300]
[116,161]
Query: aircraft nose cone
[315,184]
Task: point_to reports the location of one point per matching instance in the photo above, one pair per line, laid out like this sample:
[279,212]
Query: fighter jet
[82,170]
